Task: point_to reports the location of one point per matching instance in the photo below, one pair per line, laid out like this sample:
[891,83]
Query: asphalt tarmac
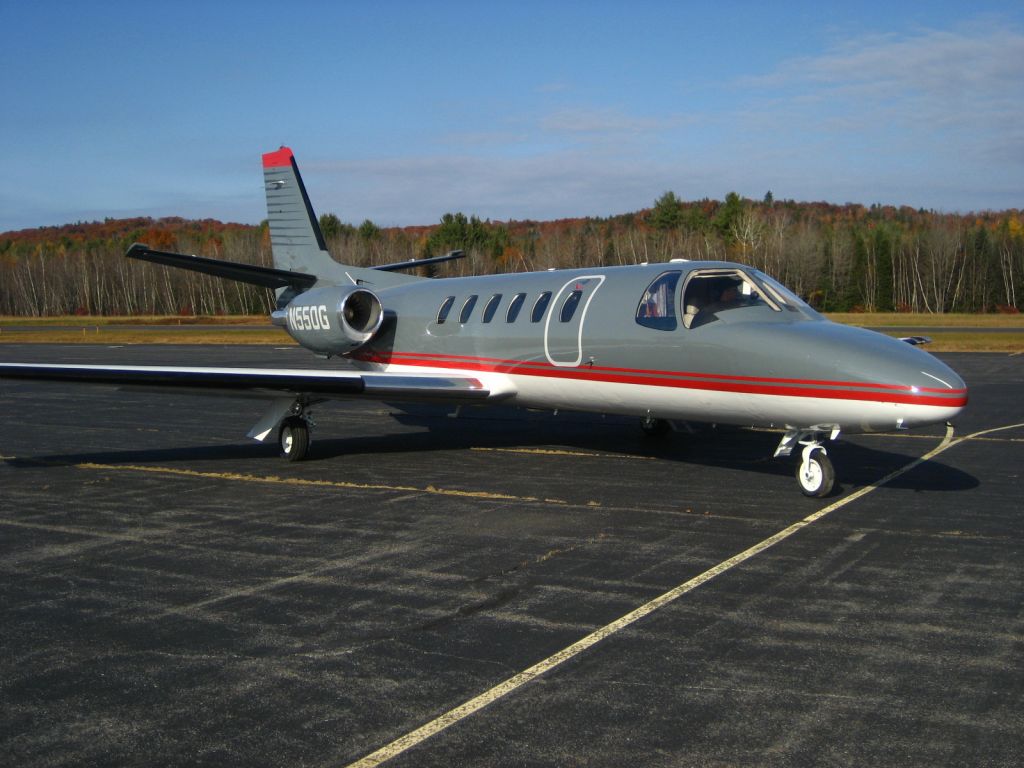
[174,594]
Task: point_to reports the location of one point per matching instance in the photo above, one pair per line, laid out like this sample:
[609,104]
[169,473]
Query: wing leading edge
[260,382]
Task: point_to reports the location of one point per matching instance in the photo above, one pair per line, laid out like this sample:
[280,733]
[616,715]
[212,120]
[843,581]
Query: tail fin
[295,237]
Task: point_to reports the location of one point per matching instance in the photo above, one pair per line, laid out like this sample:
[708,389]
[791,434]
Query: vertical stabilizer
[295,237]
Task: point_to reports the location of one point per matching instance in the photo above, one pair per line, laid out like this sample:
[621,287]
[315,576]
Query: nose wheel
[815,473]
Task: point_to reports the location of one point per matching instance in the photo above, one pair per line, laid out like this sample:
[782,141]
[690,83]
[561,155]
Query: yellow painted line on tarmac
[993,440]
[464,710]
[913,436]
[562,452]
[966,438]
[298,481]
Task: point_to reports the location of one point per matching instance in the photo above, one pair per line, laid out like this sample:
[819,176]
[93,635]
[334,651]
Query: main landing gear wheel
[815,473]
[293,438]
[653,427]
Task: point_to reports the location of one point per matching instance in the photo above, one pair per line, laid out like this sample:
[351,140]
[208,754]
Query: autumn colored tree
[838,256]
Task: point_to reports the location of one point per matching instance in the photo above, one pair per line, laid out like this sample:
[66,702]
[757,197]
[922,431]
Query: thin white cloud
[927,84]
[591,120]
[542,186]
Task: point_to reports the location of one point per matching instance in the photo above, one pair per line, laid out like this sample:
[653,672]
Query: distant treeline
[839,257]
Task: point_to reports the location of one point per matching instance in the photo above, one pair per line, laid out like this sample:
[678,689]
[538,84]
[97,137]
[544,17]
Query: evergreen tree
[727,214]
[368,230]
[885,244]
[330,225]
[667,212]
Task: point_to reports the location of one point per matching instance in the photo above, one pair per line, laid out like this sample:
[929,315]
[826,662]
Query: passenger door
[563,329]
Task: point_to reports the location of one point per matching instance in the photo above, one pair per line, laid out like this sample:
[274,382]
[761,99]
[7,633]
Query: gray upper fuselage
[755,340]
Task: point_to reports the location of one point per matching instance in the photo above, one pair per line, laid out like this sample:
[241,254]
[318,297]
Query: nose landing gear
[815,473]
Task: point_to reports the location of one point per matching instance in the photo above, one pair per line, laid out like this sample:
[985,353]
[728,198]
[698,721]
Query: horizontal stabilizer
[413,263]
[916,340]
[232,270]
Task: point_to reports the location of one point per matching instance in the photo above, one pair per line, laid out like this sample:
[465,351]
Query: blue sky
[402,111]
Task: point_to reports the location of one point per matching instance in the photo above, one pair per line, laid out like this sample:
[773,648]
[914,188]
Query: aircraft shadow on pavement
[723,447]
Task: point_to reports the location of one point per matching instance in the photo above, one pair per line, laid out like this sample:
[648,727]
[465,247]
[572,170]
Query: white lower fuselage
[699,401]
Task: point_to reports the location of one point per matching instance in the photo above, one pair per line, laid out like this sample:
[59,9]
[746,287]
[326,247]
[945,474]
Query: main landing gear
[814,473]
[653,427]
[293,437]
[291,419]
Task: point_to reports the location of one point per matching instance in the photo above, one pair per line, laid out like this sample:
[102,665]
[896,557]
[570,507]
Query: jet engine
[334,320]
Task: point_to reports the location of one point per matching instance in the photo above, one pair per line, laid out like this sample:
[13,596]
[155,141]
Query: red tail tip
[278,158]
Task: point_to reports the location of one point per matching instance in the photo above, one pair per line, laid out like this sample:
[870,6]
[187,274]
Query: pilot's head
[726,290]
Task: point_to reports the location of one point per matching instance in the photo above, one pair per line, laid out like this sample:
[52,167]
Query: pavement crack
[498,599]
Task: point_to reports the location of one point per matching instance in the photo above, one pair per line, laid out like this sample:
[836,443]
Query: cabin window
[539,308]
[514,306]
[569,306]
[491,307]
[467,309]
[446,307]
[657,306]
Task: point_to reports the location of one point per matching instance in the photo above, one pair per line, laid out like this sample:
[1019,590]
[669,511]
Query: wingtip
[136,249]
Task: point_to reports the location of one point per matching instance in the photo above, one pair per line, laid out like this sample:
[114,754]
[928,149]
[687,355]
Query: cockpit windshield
[711,292]
[783,295]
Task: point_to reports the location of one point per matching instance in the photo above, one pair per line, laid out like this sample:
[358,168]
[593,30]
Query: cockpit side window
[657,306]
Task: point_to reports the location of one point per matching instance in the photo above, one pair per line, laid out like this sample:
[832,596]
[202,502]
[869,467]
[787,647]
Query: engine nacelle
[332,321]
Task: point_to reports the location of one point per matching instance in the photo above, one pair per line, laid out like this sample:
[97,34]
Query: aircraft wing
[261,382]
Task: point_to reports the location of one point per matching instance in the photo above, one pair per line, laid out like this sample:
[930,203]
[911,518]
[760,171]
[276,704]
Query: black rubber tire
[293,438]
[819,477]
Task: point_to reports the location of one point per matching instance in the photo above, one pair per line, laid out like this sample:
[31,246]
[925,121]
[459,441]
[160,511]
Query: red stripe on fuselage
[459,359]
[843,390]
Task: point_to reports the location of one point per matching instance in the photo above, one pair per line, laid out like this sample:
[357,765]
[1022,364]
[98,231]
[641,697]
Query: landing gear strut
[814,472]
[653,427]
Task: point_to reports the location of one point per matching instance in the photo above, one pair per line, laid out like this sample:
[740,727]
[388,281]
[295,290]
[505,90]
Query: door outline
[555,306]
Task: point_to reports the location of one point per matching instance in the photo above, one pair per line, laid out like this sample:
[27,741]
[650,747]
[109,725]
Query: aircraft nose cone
[936,374]
[924,389]
[936,385]
[886,383]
